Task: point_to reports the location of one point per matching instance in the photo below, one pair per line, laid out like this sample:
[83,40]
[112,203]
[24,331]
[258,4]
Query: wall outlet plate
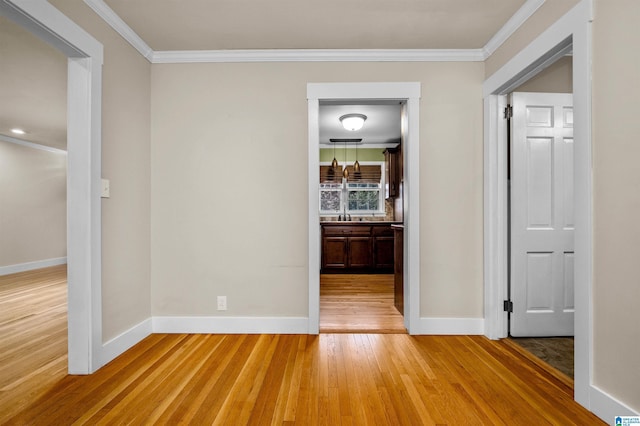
[222,303]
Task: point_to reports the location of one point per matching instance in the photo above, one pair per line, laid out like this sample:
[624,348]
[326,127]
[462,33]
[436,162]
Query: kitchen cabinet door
[383,252]
[334,252]
[359,252]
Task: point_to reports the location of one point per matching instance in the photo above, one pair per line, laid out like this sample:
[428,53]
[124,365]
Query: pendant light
[345,172]
[334,163]
[356,165]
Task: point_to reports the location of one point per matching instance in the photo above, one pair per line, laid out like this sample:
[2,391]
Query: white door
[542,228]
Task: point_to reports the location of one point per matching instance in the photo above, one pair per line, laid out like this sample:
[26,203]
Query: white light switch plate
[106,192]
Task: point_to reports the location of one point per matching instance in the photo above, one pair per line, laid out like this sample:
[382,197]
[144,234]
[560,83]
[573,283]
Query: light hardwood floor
[328,379]
[358,304]
[33,335]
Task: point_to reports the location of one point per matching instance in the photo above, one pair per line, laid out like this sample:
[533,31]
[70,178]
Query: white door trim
[573,29]
[409,92]
[83,173]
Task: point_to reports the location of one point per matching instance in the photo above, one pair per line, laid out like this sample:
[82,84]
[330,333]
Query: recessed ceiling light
[18,131]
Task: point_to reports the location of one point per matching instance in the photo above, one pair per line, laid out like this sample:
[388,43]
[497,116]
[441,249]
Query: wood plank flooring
[330,379]
[358,304]
[33,335]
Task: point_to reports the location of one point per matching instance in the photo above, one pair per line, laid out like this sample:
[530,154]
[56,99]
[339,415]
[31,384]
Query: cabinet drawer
[382,231]
[347,230]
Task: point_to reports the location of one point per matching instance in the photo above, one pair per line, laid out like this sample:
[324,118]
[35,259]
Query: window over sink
[362,193]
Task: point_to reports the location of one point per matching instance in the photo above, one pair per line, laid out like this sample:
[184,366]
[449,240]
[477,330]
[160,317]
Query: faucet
[345,216]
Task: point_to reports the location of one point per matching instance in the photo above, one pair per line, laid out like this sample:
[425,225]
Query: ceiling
[33,87]
[33,73]
[315,24]
[382,126]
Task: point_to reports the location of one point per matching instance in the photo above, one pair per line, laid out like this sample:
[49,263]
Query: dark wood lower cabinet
[358,248]
[334,252]
[398,269]
[382,240]
[359,252]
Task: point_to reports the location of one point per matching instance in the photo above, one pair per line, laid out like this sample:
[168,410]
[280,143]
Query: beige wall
[229,185]
[125,161]
[546,15]
[557,78]
[33,210]
[616,171]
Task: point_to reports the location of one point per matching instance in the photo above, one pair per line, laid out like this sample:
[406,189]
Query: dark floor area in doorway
[555,351]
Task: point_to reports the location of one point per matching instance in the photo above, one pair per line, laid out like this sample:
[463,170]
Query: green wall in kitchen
[364,154]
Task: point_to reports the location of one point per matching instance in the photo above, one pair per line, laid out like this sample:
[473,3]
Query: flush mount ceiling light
[353,122]
[18,131]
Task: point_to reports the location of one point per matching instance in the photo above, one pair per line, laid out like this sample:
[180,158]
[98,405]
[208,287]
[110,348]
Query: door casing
[572,32]
[410,93]
[84,103]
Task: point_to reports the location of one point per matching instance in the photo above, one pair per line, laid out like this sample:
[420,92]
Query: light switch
[105,188]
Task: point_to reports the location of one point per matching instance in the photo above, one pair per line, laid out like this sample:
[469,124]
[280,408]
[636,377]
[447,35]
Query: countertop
[358,222]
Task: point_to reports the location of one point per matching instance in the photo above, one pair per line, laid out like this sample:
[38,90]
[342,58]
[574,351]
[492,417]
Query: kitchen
[361,216]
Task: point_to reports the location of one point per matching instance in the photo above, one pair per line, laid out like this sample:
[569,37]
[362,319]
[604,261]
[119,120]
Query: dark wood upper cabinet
[392,172]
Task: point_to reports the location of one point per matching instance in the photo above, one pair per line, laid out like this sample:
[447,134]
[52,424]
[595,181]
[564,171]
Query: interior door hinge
[508,112]
[508,306]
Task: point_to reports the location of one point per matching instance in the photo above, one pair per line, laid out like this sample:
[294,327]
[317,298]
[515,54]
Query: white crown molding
[315,55]
[33,145]
[111,18]
[319,55]
[515,22]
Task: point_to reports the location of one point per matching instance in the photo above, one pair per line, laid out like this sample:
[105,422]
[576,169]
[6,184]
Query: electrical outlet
[222,303]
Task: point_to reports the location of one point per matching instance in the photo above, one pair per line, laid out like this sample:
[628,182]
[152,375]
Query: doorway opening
[360,197]
[540,145]
[33,247]
[355,234]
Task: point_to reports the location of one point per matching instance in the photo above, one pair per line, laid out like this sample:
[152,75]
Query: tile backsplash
[387,217]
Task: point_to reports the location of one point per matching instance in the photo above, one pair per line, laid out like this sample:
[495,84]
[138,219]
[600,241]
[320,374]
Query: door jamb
[573,29]
[409,92]
[84,103]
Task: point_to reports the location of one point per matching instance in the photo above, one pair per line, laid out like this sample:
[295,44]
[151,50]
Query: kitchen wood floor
[355,303]
[332,379]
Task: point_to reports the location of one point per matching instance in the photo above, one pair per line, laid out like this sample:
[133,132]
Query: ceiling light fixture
[18,131]
[353,122]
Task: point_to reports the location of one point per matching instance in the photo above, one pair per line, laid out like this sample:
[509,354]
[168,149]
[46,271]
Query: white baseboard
[231,325]
[450,326]
[607,407]
[30,266]
[119,344]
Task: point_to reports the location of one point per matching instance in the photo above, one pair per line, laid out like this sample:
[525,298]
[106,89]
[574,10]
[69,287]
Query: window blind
[329,175]
[367,174]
